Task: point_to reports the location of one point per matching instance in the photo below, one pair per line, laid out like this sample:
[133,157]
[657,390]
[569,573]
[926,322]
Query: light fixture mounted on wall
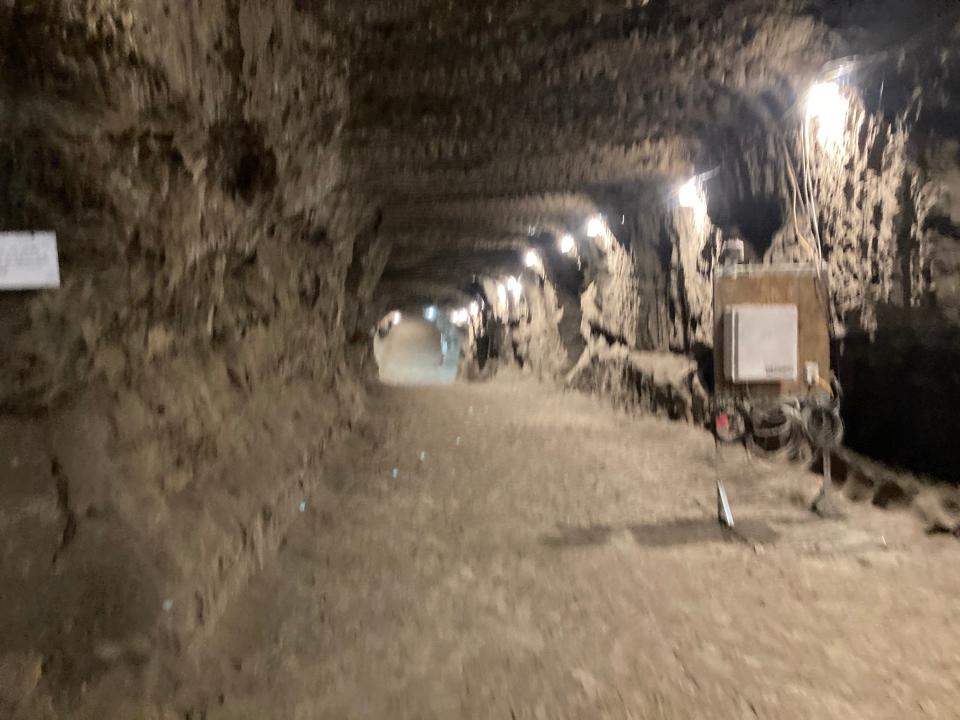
[515,288]
[827,109]
[567,244]
[595,227]
[691,197]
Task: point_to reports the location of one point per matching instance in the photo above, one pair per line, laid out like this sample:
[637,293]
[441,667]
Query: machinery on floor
[774,388]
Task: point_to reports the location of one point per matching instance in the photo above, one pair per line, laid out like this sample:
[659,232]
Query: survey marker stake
[724,514]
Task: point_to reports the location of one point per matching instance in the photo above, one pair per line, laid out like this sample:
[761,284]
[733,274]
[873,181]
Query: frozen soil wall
[230,179]
[888,225]
[161,411]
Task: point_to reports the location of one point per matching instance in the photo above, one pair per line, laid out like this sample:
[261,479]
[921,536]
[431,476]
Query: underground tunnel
[515,358]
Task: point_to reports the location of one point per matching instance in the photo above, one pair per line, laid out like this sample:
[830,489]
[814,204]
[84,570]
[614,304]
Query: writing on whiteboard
[28,261]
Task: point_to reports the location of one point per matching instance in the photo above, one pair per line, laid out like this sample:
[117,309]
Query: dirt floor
[413,353]
[537,555]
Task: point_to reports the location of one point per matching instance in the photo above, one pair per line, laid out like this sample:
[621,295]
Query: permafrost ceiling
[476,125]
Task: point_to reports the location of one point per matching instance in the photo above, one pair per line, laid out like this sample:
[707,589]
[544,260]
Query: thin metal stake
[827,477]
[724,513]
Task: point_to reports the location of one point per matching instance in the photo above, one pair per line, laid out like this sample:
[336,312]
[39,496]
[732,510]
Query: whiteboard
[28,261]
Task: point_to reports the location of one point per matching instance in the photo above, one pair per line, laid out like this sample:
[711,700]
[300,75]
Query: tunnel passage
[241,190]
[902,392]
[415,351]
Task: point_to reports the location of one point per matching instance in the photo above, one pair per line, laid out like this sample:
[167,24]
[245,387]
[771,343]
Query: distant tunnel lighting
[396,317]
[531,259]
[474,308]
[567,244]
[595,227]
[430,313]
[501,294]
[460,316]
[827,106]
[515,288]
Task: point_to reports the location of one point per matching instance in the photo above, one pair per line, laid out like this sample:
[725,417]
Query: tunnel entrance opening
[412,350]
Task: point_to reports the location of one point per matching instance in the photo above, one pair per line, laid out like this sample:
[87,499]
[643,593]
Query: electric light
[515,288]
[459,317]
[691,197]
[474,309]
[430,313]
[567,245]
[531,259]
[501,294]
[396,317]
[595,227]
[828,108]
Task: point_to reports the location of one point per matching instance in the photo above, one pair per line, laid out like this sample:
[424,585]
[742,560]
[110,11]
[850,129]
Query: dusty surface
[412,353]
[561,561]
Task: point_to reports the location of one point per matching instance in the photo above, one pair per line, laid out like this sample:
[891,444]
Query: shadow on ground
[673,533]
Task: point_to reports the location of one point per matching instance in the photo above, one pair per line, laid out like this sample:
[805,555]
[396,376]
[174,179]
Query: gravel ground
[540,556]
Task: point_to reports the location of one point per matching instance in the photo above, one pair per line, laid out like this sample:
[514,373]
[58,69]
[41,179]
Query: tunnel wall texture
[163,411]
[201,164]
[888,223]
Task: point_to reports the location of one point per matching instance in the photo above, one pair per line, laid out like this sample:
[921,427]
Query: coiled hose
[823,426]
[777,432]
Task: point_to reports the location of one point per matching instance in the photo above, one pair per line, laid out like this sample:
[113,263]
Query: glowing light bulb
[501,294]
[396,317]
[474,308]
[595,227]
[515,288]
[828,108]
[567,244]
[430,313]
[691,197]
[531,259]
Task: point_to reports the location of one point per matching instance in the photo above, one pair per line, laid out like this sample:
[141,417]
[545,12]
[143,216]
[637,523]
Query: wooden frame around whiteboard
[798,285]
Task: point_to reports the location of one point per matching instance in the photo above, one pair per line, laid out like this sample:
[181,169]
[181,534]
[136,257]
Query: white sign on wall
[28,261]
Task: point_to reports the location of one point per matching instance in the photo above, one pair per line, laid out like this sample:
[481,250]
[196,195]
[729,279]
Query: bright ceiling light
[430,313]
[595,227]
[459,317]
[691,197]
[531,259]
[515,288]
[474,308]
[828,108]
[396,317]
[567,245]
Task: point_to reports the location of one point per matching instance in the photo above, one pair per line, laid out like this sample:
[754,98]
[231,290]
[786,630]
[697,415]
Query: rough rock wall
[155,407]
[902,392]
[887,230]
[521,332]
